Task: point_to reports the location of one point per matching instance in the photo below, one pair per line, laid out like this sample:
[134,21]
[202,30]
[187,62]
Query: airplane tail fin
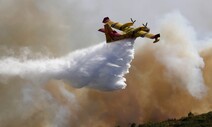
[108,33]
[106,19]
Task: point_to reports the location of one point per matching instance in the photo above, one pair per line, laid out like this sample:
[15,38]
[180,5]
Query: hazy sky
[90,14]
[76,22]
[197,12]
[32,29]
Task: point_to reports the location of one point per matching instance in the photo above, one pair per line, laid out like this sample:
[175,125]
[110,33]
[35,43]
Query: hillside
[203,120]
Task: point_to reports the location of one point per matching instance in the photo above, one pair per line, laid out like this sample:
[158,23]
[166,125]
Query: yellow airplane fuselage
[128,31]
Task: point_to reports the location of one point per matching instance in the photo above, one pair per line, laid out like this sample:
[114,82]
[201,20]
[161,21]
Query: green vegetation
[203,120]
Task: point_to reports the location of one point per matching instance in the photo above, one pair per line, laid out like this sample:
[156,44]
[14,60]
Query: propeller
[145,25]
[133,21]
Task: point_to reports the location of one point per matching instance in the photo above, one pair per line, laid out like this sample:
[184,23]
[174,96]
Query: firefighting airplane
[128,31]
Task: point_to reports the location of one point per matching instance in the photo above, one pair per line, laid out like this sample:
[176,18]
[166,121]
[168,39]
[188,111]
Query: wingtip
[157,38]
[157,35]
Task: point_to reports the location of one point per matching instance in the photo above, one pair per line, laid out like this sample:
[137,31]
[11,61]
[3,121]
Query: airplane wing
[117,25]
[148,35]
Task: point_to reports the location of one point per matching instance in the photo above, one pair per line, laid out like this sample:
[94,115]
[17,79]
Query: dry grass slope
[203,120]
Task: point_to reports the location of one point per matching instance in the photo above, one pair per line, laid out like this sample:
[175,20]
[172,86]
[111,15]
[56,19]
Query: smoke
[179,56]
[101,67]
[166,80]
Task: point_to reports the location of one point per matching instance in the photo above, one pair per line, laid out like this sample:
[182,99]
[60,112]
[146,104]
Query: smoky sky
[31,29]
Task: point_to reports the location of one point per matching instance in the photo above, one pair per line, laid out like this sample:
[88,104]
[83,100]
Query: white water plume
[102,66]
